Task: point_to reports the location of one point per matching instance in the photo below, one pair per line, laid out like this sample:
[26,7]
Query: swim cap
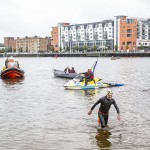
[109,92]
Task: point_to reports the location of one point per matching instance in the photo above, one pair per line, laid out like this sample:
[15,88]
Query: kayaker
[89,76]
[72,70]
[103,112]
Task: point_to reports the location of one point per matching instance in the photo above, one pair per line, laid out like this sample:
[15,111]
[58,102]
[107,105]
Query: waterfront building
[143,37]
[56,36]
[87,36]
[2,46]
[125,33]
[10,44]
[32,44]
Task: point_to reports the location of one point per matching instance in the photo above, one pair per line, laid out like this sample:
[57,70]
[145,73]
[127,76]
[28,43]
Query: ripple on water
[38,113]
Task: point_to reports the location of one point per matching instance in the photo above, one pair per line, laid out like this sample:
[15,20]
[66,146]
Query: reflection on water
[103,139]
[37,113]
[89,93]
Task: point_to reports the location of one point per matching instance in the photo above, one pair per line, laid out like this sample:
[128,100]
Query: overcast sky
[19,18]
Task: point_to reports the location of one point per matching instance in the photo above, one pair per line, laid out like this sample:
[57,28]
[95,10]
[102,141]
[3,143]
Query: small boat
[75,84]
[62,74]
[11,69]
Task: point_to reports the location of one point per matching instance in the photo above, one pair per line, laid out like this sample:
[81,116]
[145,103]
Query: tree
[94,47]
[67,48]
[116,47]
[141,46]
[52,48]
[85,47]
[20,49]
[14,49]
[60,49]
[76,47]
[127,47]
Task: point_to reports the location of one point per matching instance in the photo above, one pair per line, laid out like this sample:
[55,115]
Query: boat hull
[62,74]
[75,85]
[12,73]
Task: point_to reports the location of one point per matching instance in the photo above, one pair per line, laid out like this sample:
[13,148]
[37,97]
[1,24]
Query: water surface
[37,113]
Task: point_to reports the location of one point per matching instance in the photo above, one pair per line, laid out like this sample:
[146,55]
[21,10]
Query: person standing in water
[105,104]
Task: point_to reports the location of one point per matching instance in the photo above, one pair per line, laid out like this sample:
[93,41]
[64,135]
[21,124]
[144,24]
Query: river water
[37,113]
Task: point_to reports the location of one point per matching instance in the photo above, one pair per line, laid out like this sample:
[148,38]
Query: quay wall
[144,54]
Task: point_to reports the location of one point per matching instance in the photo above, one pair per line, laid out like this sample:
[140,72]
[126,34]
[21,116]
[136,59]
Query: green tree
[141,46]
[14,50]
[127,47]
[76,47]
[20,49]
[2,50]
[116,47]
[67,48]
[60,49]
[94,47]
[52,48]
[85,47]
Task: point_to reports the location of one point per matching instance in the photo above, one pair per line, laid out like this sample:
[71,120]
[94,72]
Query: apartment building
[87,35]
[125,33]
[32,44]
[143,30]
[56,36]
[10,43]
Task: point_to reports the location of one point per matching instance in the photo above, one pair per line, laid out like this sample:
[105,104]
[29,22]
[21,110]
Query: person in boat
[89,76]
[67,70]
[103,112]
[6,63]
[72,70]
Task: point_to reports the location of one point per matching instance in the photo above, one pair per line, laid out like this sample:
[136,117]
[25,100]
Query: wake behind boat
[11,69]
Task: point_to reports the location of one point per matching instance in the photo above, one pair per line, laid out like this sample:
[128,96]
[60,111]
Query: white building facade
[88,36]
[143,30]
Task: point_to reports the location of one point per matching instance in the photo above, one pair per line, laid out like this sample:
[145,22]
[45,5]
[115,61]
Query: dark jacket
[105,105]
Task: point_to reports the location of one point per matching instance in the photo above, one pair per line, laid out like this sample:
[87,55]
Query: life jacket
[89,75]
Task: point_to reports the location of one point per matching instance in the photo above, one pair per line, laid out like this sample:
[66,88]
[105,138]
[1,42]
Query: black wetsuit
[104,109]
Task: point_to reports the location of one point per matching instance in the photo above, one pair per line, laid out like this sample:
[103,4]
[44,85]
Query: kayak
[80,85]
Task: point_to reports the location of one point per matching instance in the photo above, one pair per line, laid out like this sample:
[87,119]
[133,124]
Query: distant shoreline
[95,54]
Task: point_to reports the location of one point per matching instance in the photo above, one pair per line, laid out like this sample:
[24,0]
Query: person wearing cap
[89,76]
[105,104]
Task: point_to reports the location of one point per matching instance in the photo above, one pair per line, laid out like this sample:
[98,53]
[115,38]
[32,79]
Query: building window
[123,43]
[129,43]
[129,35]
[129,31]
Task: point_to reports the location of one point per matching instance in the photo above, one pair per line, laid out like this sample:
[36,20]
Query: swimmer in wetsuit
[106,103]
